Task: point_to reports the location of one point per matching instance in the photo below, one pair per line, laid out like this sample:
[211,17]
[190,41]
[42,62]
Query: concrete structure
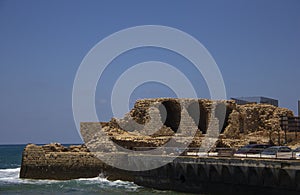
[259,100]
[187,174]
[219,175]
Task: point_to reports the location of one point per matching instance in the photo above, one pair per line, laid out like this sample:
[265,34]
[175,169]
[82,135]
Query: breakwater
[188,174]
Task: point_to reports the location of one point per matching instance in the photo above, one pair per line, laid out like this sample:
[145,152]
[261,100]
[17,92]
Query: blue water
[10,183]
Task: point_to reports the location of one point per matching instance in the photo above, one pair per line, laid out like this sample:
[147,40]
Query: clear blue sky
[255,43]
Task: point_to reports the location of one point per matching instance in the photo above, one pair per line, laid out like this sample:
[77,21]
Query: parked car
[297,153]
[252,149]
[277,152]
[297,150]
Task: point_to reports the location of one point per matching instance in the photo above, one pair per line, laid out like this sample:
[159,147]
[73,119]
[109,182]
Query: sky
[255,43]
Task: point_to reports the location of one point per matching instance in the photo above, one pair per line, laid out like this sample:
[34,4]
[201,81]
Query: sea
[10,183]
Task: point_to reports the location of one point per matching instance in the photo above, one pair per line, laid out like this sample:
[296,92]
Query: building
[291,124]
[258,99]
[298,107]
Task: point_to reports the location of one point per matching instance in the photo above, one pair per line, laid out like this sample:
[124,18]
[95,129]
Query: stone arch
[169,170]
[226,175]
[297,179]
[191,171]
[160,172]
[181,166]
[201,173]
[170,112]
[182,178]
[222,112]
[199,114]
[181,175]
[194,112]
[269,178]
[253,177]
[214,176]
[238,176]
[284,179]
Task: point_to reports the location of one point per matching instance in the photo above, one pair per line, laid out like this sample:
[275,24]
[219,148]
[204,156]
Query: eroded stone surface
[152,121]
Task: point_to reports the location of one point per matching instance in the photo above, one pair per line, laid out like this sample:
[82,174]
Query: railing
[224,152]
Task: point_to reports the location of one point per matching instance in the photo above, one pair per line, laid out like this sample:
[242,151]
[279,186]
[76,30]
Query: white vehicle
[296,153]
[282,152]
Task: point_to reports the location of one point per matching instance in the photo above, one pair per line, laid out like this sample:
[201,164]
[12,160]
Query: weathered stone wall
[255,117]
[151,119]
[256,123]
[55,161]
[198,109]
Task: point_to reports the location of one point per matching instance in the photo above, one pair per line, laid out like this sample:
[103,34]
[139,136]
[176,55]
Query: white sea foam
[12,176]
[102,181]
[9,174]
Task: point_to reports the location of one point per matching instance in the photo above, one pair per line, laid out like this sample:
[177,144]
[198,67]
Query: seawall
[225,176]
[188,174]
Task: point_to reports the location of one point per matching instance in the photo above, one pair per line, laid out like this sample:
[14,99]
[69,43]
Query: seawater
[10,183]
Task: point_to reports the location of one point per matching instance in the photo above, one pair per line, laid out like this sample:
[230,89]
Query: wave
[11,176]
[10,182]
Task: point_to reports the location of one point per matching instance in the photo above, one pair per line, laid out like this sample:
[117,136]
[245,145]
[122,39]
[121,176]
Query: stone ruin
[205,123]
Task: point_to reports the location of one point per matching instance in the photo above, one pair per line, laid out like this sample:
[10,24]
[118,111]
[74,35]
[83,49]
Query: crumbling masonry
[223,123]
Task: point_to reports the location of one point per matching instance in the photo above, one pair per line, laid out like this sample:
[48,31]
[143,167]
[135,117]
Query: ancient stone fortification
[153,121]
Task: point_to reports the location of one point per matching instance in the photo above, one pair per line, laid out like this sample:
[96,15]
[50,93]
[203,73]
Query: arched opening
[213,174]
[191,172]
[297,179]
[169,169]
[182,178]
[253,178]
[226,175]
[180,174]
[199,114]
[222,113]
[170,112]
[201,173]
[284,179]
[238,176]
[268,177]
